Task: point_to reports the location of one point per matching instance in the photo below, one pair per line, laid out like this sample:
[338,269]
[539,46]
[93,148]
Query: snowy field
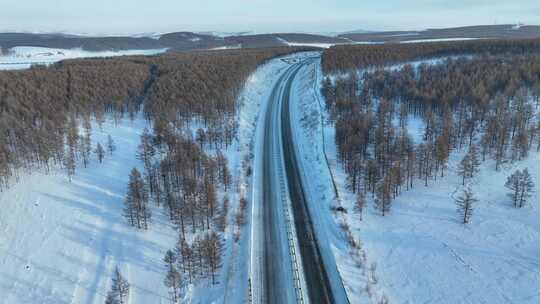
[61,240]
[423,254]
[22,57]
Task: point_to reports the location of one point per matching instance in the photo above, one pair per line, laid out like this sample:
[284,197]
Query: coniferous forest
[481,96]
[45,120]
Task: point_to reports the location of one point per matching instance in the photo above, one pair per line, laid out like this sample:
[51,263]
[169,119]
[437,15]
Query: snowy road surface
[288,268]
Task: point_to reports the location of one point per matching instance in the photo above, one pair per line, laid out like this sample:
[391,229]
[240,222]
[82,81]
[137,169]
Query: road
[301,277]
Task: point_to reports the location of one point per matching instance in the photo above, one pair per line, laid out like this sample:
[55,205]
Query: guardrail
[296,263]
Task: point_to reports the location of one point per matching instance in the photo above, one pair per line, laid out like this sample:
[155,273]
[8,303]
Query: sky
[138,16]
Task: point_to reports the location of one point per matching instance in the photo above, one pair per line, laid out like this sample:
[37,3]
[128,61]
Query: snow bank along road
[287,266]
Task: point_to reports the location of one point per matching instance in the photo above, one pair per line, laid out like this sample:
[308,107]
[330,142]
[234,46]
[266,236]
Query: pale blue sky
[138,16]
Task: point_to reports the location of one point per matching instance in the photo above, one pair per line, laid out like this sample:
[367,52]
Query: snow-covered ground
[60,241]
[319,45]
[22,57]
[423,254]
[227,47]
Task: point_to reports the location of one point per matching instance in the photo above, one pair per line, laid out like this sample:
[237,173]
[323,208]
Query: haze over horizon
[102,17]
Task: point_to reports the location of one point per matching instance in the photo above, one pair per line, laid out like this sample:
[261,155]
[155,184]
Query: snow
[22,57]
[61,240]
[415,127]
[227,47]
[517,26]
[319,45]
[494,259]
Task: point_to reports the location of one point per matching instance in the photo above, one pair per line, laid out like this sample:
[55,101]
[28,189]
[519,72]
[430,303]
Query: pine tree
[469,165]
[173,277]
[465,204]
[136,202]
[211,247]
[111,147]
[72,139]
[111,298]
[513,184]
[474,161]
[464,167]
[185,258]
[120,287]
[526,186]
[221,221]
[86,142]
[360,204]
[383,195]
[170,259]
[100,153]
[173,280]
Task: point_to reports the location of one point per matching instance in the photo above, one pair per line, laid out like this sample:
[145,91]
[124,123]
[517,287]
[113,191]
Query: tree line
[343,58]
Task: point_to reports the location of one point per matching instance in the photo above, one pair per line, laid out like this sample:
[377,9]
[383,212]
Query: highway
[292,269]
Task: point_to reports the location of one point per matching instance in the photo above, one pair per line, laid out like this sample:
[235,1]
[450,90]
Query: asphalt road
[279,153]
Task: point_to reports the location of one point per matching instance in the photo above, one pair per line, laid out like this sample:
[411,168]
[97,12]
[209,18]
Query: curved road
[295,273]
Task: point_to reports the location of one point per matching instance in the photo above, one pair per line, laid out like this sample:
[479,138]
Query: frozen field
[22,57]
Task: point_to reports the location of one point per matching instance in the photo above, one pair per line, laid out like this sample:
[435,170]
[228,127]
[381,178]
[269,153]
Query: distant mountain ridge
[185,41]
[477,31]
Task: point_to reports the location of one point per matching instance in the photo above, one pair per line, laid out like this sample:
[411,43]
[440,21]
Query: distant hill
[185,41]
[175,41]
[479,31]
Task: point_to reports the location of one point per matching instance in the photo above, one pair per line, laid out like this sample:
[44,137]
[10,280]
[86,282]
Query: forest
[46,116]
[486,104]
[173,88]
[343,58]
